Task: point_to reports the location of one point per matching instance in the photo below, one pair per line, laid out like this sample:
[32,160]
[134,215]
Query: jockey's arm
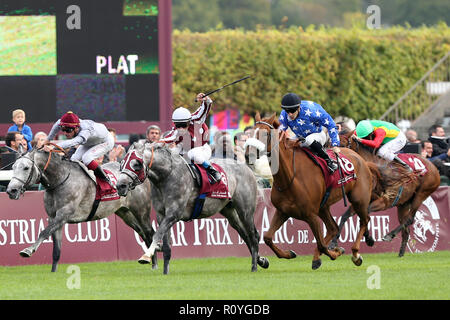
[53,131]
[199,116]
[65,144]
[377,140]
[171,137]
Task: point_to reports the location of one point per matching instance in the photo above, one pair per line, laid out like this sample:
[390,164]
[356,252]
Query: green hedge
[352,72]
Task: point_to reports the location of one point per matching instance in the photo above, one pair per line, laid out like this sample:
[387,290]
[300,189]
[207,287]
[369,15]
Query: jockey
[384,135]
[193,127]
[92,138]
[306,119]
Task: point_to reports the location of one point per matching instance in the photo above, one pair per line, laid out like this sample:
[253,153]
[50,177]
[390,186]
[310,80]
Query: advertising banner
[109,239]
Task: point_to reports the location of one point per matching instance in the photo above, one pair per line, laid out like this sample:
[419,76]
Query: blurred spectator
[444,172]
[18,117]
[15,142]
[118,151]
[134,137]
[427,152]
[346,122]
[239,141]
[38,140]
[438,139]
[249,131]
[411,136]
[223,145]
[153,133]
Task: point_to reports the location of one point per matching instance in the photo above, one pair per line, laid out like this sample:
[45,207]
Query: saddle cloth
[104,192]
[218,190]
[414,162]
[334,180]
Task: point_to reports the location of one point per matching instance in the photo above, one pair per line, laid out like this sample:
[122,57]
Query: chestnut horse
[299,189]
[393,186]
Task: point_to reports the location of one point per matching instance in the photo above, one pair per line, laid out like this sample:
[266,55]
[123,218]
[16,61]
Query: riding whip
[229,84]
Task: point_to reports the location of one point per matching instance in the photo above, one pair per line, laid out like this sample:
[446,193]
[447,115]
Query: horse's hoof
[358,260]
[145,259]
[154,266]
[263,262]
[387,238]
[370,241]
[316,264]
[292,254]
[339,250]
[26,253]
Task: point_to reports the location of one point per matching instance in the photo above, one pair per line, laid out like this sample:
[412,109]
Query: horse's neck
[159,171]
[55,169]
[284,170]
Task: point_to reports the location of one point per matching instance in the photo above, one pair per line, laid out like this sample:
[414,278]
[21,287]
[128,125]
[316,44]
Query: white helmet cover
[181,115]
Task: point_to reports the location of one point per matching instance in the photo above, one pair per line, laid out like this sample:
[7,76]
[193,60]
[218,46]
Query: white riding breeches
[320,137]
[200,154]
[388,150]
[88,153]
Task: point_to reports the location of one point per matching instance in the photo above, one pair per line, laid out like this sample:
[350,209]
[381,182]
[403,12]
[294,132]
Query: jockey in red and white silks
[190,135]
[92,138]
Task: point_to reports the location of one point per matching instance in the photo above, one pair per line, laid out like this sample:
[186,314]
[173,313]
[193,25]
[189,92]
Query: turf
[415,276]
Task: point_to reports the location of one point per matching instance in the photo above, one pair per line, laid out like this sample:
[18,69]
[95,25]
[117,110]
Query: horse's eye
[26,168]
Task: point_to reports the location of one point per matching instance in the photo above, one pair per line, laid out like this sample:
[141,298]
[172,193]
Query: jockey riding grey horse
[174,192]
[69,197]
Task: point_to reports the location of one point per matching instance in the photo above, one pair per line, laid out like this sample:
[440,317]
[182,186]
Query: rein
[59,149]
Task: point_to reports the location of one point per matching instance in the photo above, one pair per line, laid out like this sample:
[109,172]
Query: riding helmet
[70,120]
[290,101]
[181,115]
[364,128]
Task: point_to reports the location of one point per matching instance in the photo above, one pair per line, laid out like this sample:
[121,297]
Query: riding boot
[318,150]
[215,175]
[403,163]
[99,172]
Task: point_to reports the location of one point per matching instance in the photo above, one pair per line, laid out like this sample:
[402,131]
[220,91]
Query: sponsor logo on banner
[424,235]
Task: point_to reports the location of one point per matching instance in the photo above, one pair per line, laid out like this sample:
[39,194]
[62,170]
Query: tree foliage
[357,73]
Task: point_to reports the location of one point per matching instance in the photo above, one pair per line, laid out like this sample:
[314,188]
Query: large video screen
[97,58]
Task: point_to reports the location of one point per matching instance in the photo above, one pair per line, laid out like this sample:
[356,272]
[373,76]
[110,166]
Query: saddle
[104,191]
[203,181]
[333,180]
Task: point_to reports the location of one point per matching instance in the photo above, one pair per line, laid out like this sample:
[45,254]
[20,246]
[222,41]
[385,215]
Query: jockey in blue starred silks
[307,119]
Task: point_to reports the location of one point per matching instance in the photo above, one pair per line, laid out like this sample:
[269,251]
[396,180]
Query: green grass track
[381,276]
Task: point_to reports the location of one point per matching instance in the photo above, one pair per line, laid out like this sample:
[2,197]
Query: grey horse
[69,197]
[174,192]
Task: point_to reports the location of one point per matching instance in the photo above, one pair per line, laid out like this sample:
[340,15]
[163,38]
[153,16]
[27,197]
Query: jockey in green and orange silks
[384,135]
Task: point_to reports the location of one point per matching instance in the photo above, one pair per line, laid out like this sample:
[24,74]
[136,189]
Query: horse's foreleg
[277,221]
[347,214]
[167,253]
[53,225]
[57,239]
[167,222]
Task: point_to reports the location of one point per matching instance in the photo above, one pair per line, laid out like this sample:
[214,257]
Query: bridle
[137,177]
[26,183]
[280,137]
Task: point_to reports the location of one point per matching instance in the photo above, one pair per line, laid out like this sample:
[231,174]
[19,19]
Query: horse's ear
[274,120]
[257,116]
